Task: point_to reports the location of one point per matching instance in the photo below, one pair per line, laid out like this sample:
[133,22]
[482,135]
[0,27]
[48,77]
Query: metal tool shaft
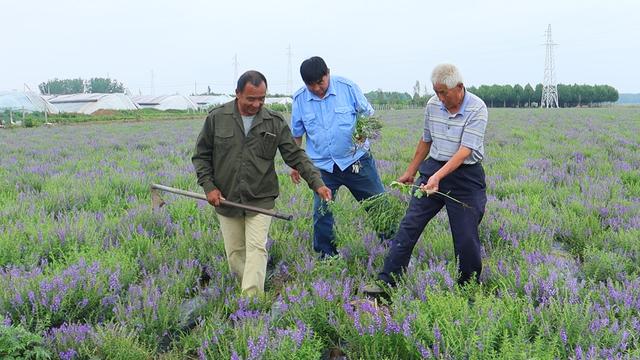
[222,202]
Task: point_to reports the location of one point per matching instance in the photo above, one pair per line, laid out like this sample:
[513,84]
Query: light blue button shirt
[329,123]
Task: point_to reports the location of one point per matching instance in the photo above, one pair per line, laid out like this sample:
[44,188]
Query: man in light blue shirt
[325,110]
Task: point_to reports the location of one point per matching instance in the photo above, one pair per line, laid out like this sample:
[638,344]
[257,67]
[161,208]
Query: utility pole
[549,87]
[152,83]
[235,69]
[289,72]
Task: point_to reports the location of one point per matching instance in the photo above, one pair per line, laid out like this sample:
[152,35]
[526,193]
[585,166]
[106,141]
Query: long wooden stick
[158,201]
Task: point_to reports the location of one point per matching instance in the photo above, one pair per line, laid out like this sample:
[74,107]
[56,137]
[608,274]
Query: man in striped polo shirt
[453,138]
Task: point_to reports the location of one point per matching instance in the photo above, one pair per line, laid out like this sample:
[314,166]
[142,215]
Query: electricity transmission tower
[549,87]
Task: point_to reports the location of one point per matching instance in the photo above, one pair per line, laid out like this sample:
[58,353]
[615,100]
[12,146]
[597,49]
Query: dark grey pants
[467,184]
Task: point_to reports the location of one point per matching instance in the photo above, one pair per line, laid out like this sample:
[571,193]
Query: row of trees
[527,96]
[508,95]
[493,95]
[77,86]
[380,97]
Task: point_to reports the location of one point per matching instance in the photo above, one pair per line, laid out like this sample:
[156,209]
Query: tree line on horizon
[79,86]
[493,95]
[509,95]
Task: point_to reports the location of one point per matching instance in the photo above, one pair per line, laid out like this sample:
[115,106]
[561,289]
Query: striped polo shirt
[448,131]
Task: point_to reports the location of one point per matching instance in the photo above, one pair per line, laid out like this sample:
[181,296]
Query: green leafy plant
[367,127]
[384,212]
[18,343]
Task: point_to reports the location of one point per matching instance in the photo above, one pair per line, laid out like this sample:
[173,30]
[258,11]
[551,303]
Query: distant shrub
[280,107]
[28,122]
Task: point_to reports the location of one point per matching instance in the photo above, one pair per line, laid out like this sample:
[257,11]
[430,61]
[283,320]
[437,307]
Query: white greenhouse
[204,102]
[278,100]
[27,101]
[90,103]
[165,102]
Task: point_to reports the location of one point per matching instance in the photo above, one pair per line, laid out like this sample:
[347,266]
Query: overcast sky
[189,44]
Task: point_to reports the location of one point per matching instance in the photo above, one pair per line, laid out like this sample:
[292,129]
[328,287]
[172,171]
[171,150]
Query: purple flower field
[88,270]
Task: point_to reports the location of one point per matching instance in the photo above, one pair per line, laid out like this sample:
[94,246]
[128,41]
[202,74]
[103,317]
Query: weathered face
[251,98]
[319,88]
[451,98]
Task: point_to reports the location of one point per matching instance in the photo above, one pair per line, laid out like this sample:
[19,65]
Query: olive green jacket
[242,167]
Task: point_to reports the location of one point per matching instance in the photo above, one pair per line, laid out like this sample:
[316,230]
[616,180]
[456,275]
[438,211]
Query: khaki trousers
[245,242]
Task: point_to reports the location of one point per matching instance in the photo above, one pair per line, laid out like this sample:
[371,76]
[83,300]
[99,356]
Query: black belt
[461,165]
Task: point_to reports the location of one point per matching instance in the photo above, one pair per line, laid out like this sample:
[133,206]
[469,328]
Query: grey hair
[446,74]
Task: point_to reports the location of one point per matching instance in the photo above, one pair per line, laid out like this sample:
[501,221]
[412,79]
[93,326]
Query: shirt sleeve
[362,104]
[203,155]
[297,158]
[426,135]
[473,133]
[297,126]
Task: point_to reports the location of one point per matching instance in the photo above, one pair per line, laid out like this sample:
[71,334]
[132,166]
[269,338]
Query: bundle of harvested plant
[367,127]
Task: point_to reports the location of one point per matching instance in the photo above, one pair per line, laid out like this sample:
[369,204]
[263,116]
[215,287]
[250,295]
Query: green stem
[395,183]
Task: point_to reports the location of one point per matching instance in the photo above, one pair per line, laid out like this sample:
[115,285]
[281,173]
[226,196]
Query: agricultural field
[88,270]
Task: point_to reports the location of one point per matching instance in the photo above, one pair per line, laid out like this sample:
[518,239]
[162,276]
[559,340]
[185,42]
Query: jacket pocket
[223,131]
[222,142]
[268,145]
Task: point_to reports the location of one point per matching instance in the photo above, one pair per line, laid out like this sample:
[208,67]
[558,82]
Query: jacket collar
[231,108]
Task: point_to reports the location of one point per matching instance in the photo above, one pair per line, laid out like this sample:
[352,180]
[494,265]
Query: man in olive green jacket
[234,159]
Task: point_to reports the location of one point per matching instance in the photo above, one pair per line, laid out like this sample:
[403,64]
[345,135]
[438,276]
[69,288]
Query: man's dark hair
[313,69]
[254,77]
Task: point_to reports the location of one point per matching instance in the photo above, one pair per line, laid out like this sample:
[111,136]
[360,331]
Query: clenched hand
[214,197]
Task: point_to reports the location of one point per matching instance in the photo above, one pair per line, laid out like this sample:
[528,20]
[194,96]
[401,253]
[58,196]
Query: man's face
[451,98]
[319,88]
[251,98]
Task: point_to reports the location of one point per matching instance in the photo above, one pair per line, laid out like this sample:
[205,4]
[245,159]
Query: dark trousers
[363,185]
[467,184]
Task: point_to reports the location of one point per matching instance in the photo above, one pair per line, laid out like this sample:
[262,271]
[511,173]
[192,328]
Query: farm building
[204,102]
[90,103]
[164,102]
[27,101]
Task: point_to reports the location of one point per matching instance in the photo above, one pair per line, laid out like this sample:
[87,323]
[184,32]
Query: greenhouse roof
[165,102]
[90,103]
[204,101]
[28,101]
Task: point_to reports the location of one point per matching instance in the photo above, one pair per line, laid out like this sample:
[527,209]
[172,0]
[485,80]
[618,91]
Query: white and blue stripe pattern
[448,131]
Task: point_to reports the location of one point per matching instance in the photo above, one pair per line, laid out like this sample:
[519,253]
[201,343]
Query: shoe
[376,292]
[328,257]
[205,276]
[372,289]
